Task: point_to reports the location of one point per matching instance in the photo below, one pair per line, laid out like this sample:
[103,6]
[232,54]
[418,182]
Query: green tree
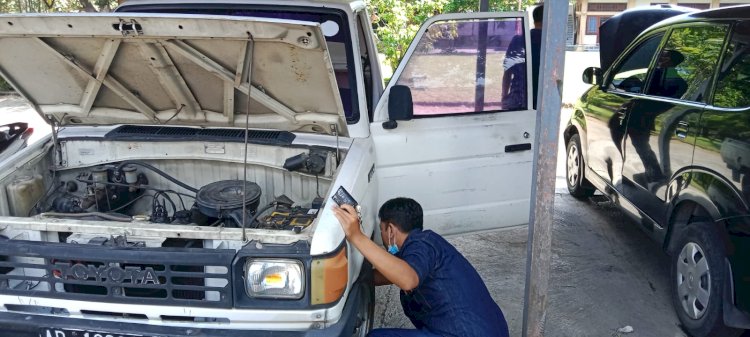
[465,6]
[396,21]
[45,6]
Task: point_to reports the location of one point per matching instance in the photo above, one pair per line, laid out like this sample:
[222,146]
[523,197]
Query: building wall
[590,14]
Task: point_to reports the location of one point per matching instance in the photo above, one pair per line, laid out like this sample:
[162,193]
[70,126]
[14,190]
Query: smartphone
[342,196]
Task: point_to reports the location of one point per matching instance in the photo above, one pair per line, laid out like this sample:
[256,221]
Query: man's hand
[389,267]
[348,219]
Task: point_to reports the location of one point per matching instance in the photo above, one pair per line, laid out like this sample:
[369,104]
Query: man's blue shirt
[451,298]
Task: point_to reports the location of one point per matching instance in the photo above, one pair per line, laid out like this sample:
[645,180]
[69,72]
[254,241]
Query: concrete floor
[605,274]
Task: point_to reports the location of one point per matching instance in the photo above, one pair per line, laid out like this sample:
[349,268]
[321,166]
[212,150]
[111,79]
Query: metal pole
[484,5]
[538,252]
[481,67]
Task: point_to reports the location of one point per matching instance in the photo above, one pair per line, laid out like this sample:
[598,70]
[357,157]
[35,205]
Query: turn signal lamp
[329,277]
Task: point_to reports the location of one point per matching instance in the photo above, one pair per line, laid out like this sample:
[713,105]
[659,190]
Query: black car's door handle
[682,129]
[518,147]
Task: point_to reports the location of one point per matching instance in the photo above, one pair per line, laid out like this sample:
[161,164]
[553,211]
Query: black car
[665,134]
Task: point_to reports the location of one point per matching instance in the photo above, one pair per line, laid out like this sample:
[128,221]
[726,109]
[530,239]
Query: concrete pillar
[582,23]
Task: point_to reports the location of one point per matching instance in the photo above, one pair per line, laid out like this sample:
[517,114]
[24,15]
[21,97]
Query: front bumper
[29,325]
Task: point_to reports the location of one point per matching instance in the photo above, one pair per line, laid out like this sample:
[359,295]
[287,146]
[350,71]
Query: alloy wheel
[574,165]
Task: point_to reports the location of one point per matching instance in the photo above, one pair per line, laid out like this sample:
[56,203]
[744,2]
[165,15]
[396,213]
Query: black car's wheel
[698,276]
[578,186]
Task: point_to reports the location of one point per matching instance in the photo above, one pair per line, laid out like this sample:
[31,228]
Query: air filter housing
[220,198]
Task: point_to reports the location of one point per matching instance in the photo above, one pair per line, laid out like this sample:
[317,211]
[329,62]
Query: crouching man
[441,293]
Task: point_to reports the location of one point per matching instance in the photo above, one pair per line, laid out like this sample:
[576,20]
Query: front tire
[366,308]
[578,186]
[698,276]
[366,311]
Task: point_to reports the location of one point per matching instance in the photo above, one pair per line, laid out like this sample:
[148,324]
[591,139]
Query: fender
[708,189]
[729,210]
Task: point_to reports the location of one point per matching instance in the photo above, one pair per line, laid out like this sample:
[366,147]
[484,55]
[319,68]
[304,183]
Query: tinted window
[445,71]
[631,74]
[686,64]
[733,85]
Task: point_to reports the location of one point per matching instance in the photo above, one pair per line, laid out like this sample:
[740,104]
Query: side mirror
[400,106]
[592,75]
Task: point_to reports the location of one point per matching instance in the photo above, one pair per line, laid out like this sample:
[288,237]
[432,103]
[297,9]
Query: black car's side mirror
[400,106]
[592,75]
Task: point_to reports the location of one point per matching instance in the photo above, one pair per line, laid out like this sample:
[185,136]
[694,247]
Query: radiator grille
[162,276]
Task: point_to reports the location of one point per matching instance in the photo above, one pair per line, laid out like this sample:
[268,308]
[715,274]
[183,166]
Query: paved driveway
[605,274]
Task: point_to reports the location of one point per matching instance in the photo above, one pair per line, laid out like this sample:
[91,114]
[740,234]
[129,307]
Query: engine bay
[138,190]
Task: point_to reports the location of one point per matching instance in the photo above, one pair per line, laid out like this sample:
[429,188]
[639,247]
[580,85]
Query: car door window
[468,66]
[732,89]
[630,76]
[685,66]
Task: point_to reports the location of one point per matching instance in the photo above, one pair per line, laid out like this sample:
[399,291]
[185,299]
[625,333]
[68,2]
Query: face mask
[392,248]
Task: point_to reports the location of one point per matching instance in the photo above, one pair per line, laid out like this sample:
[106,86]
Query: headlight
[274,278]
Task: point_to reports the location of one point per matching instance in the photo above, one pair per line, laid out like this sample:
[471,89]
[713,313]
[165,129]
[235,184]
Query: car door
[725,124]
[606,108]
[662,125]
[466,155]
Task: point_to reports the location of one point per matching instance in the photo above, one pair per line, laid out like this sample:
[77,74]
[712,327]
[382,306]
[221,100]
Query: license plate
[53,332]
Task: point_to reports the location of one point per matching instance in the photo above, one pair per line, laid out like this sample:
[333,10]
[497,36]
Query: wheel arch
[702,195]
[699,194]
[576,126]
[685,211]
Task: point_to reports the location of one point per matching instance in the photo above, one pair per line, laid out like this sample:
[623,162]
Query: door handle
[518,147]
[682,129]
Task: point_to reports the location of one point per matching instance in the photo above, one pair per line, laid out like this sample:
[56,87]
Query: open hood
[618,31]
[197,70]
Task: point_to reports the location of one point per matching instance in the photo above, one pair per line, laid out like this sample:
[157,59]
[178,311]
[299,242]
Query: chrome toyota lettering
[103,273]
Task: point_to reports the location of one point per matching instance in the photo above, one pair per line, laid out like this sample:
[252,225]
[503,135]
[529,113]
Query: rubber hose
[236,217]
[158,171]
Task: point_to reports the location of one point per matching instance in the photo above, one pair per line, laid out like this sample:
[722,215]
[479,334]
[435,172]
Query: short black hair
[405,213]
[538,13]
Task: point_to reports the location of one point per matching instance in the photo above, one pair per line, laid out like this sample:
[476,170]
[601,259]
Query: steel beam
[170,78]
[225,75]
[101,68]
[111,83]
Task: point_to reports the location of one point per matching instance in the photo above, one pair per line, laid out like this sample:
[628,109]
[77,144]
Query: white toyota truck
[185,189]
